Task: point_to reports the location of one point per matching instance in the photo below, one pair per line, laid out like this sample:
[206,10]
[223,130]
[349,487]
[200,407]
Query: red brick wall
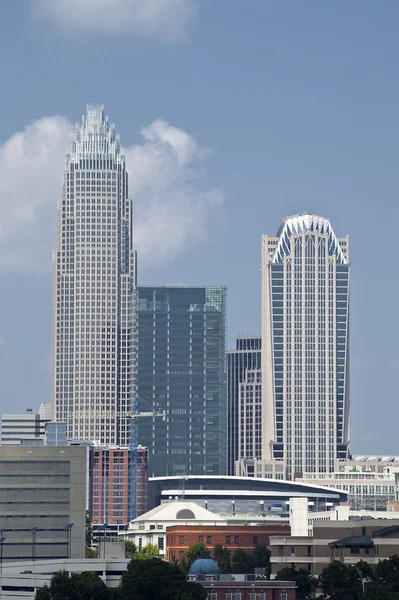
[273,590]
[180,537]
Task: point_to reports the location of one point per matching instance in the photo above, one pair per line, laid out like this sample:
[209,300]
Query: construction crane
[134,442]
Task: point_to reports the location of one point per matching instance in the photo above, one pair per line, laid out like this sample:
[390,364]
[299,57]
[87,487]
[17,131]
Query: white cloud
[162,18]
[172,206]
[167,182]
[31,166]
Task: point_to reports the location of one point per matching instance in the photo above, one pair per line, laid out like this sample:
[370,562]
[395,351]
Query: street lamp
[68,529]
[34,530]
[362,579]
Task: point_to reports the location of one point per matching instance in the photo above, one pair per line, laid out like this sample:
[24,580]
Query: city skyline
[279,112]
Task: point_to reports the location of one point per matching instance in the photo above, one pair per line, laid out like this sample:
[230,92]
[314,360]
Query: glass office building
[181,368]
[305,346]
[94,288]
[246,356]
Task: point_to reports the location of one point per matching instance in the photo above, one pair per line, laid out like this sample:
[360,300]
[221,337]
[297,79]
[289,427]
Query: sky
[233,114]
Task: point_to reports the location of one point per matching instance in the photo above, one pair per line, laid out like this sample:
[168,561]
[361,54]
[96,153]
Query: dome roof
[204,566]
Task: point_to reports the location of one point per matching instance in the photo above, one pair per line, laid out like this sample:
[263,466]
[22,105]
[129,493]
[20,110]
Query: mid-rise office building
[42,502]
[94,288]
[305,346]
[181,368]
[245,357]
[26,426]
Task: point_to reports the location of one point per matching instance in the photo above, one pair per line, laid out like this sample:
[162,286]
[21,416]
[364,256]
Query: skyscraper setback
[305,346]
[94,280]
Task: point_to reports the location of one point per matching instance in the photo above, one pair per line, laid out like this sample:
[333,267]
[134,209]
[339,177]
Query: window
[140,543]
[284,596]
[238,596]
[252,596]
[201,538]
[160,543]
[228,540]
[309,550]
[255,540]
[292,550]
[209,539]
[181,539]
[355,550]
[229,596]
[213,596]
[262,596]
[236,539]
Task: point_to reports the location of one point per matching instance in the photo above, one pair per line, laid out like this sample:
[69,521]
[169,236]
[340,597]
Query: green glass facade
[181,368]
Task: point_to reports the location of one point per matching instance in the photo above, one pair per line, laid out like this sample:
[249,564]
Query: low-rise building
[368,480]
[245,537]
[365,539]
[238,586]
[151,528]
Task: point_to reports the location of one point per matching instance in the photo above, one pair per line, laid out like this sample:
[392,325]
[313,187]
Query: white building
[150,528]
[94,288]
[305,337]
[25,426]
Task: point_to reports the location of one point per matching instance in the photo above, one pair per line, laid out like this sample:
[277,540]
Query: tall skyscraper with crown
[94,282]
[305,347]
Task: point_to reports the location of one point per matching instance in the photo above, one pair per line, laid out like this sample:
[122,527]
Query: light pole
[1,551]
[34,530]
[362,579]
[68,529]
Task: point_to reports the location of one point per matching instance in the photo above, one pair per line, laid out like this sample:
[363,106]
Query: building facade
[370,540]
[245,357]
[244,498]
[181,368]
[369,480]
[42,492]
[94,288]
[305,346]
[179,538]
[250,412]
[27,426]
[109,485]
[244,587]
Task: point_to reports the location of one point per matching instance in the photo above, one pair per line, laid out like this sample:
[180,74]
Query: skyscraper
[246,356]
[305,346]
[181,369]
[94,288]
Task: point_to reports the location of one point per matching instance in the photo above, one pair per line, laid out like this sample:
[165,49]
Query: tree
[242,562]
[302,579]
[80,586]
[149,551]
[131,548]
[155,579]
[386,574]
[221,556]
[341,582]
[89,531]
[91,552]
[261,558]
[197,550]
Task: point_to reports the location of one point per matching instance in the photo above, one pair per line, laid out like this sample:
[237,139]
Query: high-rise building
[181,368]
[28,426]
[246,356]
[305,346]
[94,288]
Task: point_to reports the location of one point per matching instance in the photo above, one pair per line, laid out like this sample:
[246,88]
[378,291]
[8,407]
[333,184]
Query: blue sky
[252,110]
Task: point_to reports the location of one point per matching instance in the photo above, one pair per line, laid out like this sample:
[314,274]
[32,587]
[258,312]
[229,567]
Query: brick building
[245,587]
[180,537]
[109,484]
